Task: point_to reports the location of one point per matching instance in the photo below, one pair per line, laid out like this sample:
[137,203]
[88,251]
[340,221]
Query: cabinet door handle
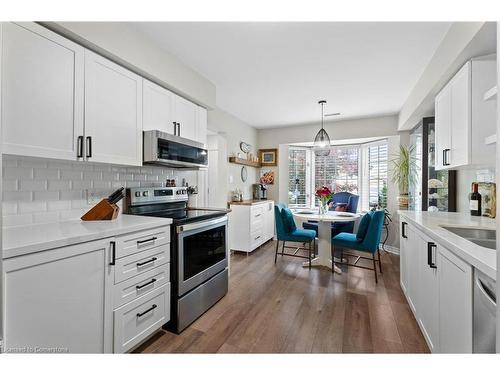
[140,242]
[113,253]
[403,231]
[79,147]
[430,261]
[146,284]
[146,262]
[148,310]
[175,128]
[179,129]
[445,156]
[89,147]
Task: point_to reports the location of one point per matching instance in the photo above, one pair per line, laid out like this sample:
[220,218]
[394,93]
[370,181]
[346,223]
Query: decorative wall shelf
[248,163]
[491,94]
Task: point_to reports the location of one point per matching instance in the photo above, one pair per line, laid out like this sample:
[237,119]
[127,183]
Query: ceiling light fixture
[322,139]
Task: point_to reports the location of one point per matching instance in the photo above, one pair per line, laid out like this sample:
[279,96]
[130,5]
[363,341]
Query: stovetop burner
[185,215]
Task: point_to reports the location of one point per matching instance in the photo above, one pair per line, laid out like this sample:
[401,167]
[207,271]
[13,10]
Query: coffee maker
[259,192]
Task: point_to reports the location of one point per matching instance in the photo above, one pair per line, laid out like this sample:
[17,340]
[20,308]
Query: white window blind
[377,175]
[297,176]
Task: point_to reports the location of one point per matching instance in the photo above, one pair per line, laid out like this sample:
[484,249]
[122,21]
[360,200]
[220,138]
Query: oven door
[202,251]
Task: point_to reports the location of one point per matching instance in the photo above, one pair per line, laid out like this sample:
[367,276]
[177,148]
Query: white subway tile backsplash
[10,173]
[59,185]
[46,174]
[39,190]
[17,196]
[32,185]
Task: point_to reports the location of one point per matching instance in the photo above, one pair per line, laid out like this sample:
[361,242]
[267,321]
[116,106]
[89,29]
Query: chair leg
[283,249]
[276,254]
[310,250]
[375,267]
[332,251]
[379,262]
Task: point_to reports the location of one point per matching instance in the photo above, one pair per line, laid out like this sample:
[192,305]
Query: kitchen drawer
[136,320]
[139,263]
[256,212]
[140,285]
[256,238]
[140,241]
[256,223]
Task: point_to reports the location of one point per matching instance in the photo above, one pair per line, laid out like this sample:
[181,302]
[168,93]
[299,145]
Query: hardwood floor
[285,308]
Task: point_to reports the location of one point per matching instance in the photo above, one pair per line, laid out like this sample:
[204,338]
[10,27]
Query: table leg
[324,258]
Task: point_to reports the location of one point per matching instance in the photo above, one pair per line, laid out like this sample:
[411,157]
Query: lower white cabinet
[455,303]
[101,296]
[438,287]
[60,300]
[250,225]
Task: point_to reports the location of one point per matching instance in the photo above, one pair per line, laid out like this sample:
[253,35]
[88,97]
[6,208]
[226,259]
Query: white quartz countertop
[431,223]
[20,240]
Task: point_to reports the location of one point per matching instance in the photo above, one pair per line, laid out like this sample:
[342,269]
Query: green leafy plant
[401,165]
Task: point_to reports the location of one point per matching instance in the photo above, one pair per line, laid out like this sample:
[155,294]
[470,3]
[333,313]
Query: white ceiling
[273,74]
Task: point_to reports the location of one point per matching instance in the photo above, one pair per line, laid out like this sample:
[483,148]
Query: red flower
[323,192]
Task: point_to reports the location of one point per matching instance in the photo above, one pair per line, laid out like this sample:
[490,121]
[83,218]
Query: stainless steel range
[199,250]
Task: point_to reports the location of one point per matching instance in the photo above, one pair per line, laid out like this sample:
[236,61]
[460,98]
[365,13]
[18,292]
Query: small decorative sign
[266,177]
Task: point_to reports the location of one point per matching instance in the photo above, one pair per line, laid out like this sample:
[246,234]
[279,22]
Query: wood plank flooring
[285,308]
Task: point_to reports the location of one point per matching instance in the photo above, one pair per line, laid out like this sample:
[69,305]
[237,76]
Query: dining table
[325,220]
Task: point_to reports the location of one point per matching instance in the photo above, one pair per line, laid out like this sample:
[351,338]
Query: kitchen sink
[482,237]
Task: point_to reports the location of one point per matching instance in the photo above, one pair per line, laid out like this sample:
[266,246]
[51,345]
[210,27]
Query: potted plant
[401,166]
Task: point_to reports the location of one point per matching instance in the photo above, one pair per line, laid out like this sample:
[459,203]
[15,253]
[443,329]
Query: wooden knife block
[102,211]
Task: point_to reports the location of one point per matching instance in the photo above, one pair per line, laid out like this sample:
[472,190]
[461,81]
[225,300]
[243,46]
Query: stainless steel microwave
[173,151]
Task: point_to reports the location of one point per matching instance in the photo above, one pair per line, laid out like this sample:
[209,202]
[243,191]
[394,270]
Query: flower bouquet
[324,194]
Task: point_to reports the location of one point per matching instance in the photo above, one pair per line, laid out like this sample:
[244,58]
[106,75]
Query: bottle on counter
[475,201]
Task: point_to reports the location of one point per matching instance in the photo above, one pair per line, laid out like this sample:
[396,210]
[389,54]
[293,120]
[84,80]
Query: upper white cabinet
[42,79]
[168,112]
[464,119]
[113,112]
[158,108]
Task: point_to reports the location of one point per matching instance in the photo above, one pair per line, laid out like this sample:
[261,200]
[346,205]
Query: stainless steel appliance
[173,151]
[199,250]
[485,304]
[433,190]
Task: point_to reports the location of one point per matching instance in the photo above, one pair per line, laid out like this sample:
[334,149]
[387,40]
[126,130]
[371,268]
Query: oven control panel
[137,196]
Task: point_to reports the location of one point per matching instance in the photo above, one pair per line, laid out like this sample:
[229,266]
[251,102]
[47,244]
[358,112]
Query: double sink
[482,237]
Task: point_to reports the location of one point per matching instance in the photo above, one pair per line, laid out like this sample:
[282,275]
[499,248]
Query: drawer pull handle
[113,253]
[140,242]
[146,284]
[257,215]
[146,262]
[256,238]
[148,310]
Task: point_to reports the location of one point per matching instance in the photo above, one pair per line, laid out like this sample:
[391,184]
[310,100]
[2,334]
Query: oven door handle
[201,224]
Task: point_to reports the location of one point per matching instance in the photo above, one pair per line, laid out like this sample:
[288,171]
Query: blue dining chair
[367,239]
[287,231]
[344,198]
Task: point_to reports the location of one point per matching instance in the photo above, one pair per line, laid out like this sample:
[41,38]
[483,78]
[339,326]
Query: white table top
[328,216]
[20,240]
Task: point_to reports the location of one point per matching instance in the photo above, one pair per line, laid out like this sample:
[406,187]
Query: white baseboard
[391,249]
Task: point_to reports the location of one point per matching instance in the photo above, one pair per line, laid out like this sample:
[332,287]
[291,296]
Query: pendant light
[322,140]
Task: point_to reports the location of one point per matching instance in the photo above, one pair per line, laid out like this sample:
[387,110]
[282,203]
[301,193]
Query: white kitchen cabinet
[42,80]
[113,112]
[247,225]
[464,119]
[428,307]
[59,300]
[158,108]
[455,303]
[202,123]
[186,115]
[438,287]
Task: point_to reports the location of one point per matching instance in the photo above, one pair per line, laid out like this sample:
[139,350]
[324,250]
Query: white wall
[129,47]
[234,131]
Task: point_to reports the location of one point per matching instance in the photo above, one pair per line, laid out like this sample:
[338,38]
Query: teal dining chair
[367,239]
[287,231]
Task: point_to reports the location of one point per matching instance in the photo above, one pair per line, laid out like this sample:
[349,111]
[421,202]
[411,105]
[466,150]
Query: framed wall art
[269,157]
